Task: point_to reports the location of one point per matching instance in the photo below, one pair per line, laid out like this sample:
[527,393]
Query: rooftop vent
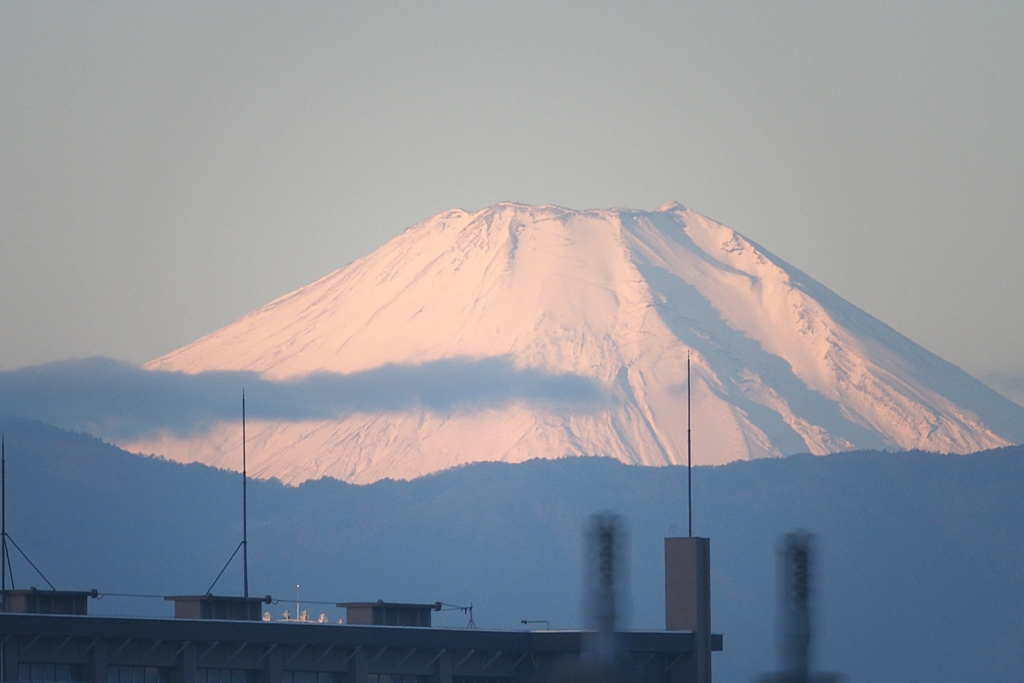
[382,613]
[35,601]
[217,607]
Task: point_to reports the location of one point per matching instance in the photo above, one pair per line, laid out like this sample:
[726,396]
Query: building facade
[40,648]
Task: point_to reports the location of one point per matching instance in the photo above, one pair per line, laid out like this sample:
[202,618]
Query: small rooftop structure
[688,600]
[382,613]
[217,607]
[35,601]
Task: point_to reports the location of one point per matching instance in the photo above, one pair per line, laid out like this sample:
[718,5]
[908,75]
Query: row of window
[29,672]
[138,674]
[57,673]
[309,677]
[225,676]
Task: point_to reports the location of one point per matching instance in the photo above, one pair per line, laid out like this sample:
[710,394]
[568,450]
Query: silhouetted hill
[921,562]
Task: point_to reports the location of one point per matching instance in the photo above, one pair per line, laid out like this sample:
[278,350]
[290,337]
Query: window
[309,677]
[138,674]
[398,678]
[59,673]
[225,676]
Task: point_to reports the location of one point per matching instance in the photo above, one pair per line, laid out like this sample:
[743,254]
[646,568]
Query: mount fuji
[544,332]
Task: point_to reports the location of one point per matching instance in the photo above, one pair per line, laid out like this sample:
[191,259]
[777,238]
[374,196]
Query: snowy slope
[618,297]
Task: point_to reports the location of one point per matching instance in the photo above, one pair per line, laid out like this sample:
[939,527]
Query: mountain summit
[548,332]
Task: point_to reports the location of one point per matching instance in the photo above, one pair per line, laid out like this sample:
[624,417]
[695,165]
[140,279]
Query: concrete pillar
[98,662]
[444,668]
[359,671]
[188,664]
[688,600]
[273,666]
[9,654]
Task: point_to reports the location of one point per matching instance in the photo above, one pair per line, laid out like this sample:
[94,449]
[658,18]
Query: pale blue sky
[165,168]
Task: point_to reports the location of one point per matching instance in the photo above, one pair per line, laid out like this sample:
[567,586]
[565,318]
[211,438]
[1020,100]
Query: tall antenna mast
[245,510]
[4,560]
[244,544]
[689,452]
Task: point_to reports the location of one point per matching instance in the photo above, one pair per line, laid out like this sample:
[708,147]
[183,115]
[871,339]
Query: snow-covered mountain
[615,300]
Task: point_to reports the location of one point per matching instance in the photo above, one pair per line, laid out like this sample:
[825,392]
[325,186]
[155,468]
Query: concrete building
[46,636]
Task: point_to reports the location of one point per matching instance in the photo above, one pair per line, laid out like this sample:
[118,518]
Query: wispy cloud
[116,400]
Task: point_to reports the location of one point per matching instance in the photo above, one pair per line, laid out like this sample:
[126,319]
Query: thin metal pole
[689,452]
[3,550]
[3,520]
[245,510]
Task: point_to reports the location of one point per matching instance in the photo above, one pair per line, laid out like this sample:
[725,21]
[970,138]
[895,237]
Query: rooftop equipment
[688,599]
[689,455]
[35,601]
[32,600]
[209,606]
[382,613]
[688,578]
[244,543]
[218,607]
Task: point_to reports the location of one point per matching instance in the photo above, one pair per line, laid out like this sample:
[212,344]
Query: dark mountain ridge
[920,555]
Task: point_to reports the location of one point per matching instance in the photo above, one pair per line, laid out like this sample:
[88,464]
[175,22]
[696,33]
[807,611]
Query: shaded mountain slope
[919,572]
